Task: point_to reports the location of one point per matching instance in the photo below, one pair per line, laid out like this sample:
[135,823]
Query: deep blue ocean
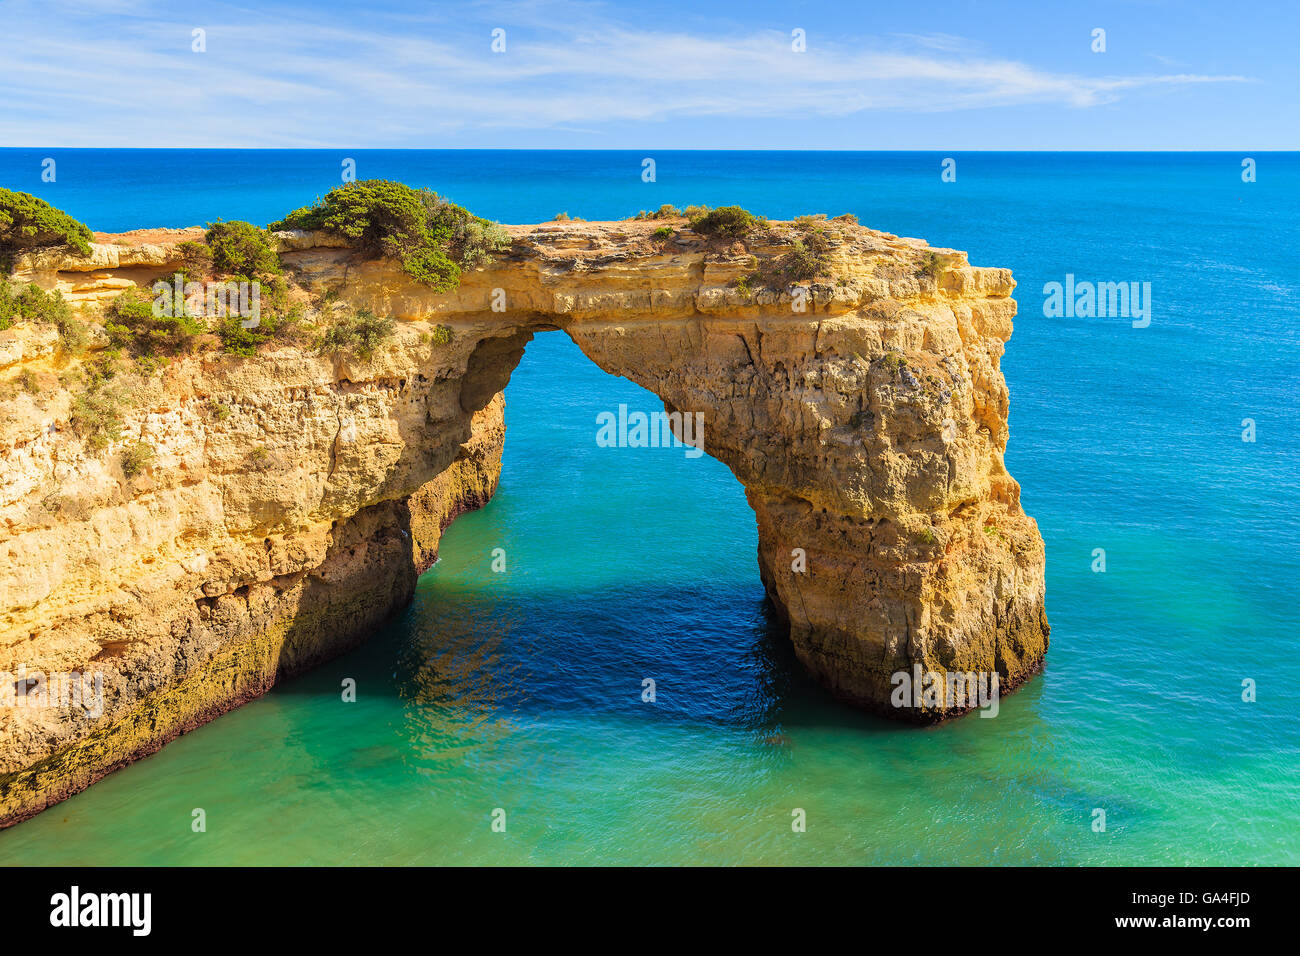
[522,691]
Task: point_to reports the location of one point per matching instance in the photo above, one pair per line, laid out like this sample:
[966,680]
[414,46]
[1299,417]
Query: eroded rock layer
[292,498]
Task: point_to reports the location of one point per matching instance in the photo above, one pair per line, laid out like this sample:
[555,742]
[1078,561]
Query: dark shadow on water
[587,654]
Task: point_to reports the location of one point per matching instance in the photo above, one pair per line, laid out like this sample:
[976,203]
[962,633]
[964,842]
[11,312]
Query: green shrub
[695,212]
[471,240]
[97,416]
[274,324]
[237,340]
[135,457]
[812,221]
[146,365]
[100,370]
[893,360]
[441,335]
[275,296]
[131,324]
[664,232]
[197,257]
[27,379]
[431,237]
[47,308]
[9,313]
[666,211]
[726,222]
[808,258]
[235,252]
[476,241]
[29,223]
[360,333]
[272,294]
[931,265]
[72,334]
[240,249]
[31,303]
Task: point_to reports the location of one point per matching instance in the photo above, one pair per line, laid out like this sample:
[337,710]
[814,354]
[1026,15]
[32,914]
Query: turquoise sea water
[522,690]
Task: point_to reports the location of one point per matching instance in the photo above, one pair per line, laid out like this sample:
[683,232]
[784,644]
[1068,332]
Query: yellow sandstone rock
[292,498]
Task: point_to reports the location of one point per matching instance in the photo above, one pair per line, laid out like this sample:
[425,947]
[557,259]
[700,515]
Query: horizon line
[687,149]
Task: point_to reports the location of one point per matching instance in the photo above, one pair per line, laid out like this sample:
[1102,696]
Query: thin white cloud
[277,78]
[936,41]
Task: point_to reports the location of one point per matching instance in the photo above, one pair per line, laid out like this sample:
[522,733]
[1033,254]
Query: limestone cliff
[293,498]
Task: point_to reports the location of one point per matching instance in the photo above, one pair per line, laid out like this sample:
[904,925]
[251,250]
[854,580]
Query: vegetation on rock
[808,258]
[894,361]
[809,255]
[931,266]
[131,323]
[360,334]
[236,339]
[666,211]
[135,457]
[196,257]
[28,223]
[232,253]
[432,238]
[31,303]
[237,249]
[726,222]
[97,413]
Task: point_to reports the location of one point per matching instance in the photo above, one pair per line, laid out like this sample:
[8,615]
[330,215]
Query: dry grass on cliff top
[153,237]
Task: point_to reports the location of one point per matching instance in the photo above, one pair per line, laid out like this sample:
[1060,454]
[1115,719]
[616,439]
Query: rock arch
[866,417]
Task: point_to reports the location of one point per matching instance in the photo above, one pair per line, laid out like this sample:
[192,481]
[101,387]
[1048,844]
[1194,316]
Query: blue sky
[966,74]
